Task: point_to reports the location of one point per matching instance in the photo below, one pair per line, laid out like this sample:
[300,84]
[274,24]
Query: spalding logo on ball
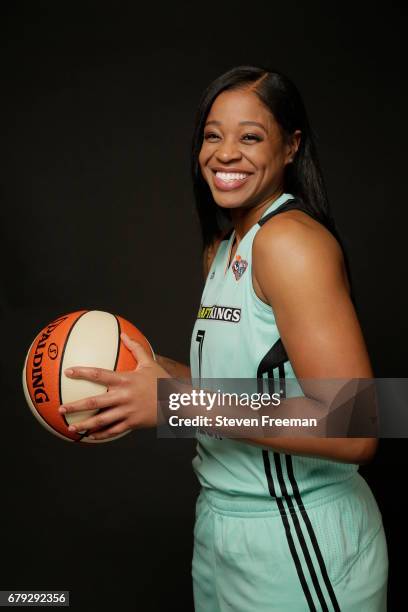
[83,338]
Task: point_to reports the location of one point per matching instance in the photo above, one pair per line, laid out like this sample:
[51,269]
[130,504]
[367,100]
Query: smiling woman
[300,528]
[281,523]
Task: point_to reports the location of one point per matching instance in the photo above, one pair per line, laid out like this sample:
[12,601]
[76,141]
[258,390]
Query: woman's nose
[228,151]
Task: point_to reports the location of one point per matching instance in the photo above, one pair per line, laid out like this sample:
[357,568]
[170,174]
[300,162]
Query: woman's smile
[227,180]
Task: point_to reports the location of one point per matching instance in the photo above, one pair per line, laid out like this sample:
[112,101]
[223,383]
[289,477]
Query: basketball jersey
[235,336]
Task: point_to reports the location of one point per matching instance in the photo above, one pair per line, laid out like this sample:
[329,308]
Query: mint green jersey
[273,531]
[236,336]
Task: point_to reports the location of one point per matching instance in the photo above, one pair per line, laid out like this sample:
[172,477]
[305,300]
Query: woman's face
[244,154]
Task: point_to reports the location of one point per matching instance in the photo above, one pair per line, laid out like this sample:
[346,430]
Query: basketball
[82,338]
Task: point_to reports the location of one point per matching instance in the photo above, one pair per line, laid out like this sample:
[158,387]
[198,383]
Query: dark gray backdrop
[97,212]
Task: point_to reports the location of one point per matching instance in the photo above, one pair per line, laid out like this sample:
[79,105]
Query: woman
[281,523]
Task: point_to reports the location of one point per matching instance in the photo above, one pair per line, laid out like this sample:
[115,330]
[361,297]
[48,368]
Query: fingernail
[68,372]
[91,437]
[72,428]
[62,410]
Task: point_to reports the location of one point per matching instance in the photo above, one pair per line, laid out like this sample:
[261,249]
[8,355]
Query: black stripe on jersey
[288,532]
[292,204]
[274,358]
[312,534]
[299,532]
[282,379]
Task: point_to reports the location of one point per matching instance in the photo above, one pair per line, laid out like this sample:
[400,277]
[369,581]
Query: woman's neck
[244,218]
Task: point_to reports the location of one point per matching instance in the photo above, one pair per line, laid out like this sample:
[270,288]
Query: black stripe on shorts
[275,358]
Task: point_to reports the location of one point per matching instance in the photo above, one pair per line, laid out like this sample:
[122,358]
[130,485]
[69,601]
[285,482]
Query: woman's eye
[211,136]
[253,137]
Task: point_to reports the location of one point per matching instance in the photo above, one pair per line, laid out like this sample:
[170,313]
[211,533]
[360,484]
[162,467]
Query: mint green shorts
[261,555]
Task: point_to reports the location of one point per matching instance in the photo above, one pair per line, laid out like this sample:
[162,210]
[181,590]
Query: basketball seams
[118,347]
[62,360]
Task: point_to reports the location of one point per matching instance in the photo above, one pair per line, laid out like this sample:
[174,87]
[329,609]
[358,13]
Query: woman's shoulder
[293,250]
[292,233]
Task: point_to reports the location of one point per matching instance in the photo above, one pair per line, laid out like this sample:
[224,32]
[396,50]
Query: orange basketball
[83,338]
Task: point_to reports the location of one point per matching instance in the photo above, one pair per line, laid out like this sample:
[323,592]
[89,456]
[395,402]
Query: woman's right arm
[175,368]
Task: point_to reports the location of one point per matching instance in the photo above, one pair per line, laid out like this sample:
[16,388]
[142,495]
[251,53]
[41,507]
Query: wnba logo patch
[239,266]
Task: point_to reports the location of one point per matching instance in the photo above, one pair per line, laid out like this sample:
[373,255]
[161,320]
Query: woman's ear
[293,145]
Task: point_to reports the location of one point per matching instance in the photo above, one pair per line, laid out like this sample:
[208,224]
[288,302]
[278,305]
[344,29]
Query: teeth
[231,176]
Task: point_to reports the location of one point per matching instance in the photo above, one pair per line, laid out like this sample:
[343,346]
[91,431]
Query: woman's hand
[130,401]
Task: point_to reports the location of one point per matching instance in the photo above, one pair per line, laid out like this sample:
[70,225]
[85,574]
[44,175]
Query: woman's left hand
[130,401]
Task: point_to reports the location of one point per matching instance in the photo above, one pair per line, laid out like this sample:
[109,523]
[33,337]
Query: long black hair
[303,177]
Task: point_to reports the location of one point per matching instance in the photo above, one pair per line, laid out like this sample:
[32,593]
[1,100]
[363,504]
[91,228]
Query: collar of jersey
[276,203]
